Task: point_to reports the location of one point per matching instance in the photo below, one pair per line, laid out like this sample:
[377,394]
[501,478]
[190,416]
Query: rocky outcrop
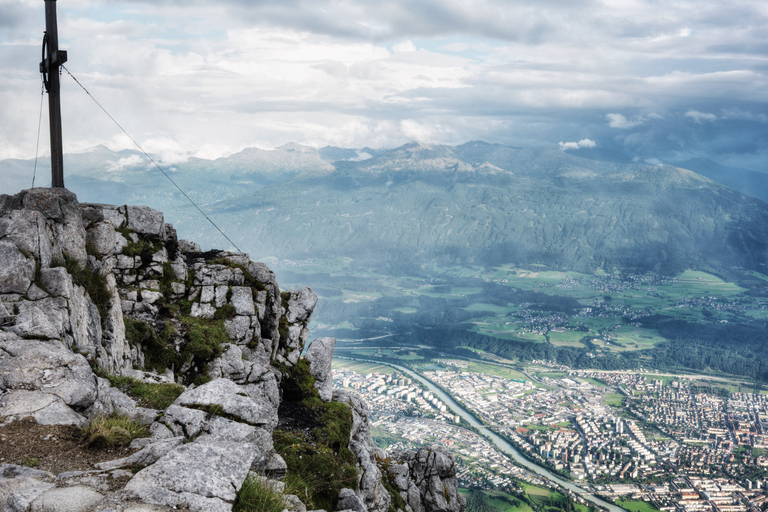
[89,287]
[426,480]
[320,356]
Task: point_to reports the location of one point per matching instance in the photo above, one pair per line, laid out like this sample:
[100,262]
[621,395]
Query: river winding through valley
[500,443]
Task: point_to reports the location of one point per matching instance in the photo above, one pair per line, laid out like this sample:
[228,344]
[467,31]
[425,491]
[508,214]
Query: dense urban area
[665,443]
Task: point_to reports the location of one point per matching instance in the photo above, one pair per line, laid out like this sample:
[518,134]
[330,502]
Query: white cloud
[621,122]
[583,143]
[219,76]
[699,117]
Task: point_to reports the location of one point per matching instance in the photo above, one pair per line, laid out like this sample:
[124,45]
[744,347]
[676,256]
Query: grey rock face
[146,221]
[348,500]
[320,356]
[67,499]
[211,467]
[40,375]
[250,404]
[370,489]
[16,270]
[298,307]
[20,485]
[431,485]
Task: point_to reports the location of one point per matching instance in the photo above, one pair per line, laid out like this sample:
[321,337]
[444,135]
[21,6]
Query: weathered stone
[370,488]
[211,467]
[184,421]
[78,498]
[57,281]
[207,294]
[36,293]
[242,300]
[187,246]
[150,297]
[229,365]
[144,457]
[348,500]
[293,503]
[202,310]
[234,400]
[20,485]
[146,221]
[47,367]
[221,295]
[178,288]
[432,485]
[320,356]
[160,257]
[299,307]
[239,329]
[276,468]
[85,323]
[125,262]
[103,238]
[46,318]
[44,408]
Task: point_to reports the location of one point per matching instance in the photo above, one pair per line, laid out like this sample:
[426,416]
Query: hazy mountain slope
[475,203]
[748,182]
[430,204]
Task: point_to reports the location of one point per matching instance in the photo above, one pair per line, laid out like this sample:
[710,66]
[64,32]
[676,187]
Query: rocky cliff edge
[93,296]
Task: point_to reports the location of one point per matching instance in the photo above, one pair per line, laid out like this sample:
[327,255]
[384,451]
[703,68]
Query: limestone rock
[298,307]
[370,489]
[47,367]
[144,457]
[78,498]
[146,221]
[432,484]
[210,467]
[16,270]
[233,400]
[320,356]
[348,500]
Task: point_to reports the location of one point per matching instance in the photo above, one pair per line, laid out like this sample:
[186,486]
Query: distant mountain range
[474,203]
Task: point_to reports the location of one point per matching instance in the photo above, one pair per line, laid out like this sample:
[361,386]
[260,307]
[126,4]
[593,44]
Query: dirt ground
[53,448]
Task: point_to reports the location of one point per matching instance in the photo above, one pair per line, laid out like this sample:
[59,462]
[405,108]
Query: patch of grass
[319,461]
[143,248]
[256,495]
[636,506]
[205,338]
[159,355]
[112,431]
[156,396]
[32,462]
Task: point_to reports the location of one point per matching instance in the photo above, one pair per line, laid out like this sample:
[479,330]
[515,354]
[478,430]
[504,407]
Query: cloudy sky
[657,80]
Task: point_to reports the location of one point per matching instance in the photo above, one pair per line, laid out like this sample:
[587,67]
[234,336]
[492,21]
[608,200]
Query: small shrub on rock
[256,495]
[314,441]
[155,396]
[112,431]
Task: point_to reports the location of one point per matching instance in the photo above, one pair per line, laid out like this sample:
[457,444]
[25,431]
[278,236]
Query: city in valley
[642,440]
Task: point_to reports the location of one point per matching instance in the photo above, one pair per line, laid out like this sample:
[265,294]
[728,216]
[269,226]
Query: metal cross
[49,67]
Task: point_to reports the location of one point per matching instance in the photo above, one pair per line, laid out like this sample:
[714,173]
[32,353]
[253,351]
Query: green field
[614,399]
[361,367]
[499,500]
[636,506]
[493,369]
